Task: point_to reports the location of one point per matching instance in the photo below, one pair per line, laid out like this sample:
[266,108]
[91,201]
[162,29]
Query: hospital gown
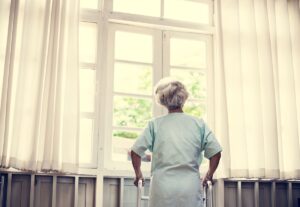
[176,140]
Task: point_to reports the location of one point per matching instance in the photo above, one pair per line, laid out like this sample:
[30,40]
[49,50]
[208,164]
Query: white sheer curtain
[258,88]
[39,112]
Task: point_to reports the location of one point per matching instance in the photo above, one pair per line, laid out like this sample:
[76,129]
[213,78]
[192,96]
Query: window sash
[107,21]
[108,163]
[164,58]
[108,5]
[92,17]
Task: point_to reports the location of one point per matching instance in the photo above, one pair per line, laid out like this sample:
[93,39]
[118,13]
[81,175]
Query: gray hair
[170,93]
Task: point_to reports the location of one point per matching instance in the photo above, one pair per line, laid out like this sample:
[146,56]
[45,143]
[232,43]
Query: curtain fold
[257,88]
[39,114]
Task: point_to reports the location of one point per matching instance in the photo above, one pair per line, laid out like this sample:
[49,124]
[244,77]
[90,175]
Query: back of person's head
[170,93]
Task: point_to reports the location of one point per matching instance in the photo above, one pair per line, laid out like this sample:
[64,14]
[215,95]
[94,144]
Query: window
[88,52]
[141,7]
[89,4]
[135,68]
[125,48]
[193,11]
[187,10]
[131,63]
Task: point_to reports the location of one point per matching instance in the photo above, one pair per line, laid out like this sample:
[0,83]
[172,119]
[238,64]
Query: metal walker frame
[207,194]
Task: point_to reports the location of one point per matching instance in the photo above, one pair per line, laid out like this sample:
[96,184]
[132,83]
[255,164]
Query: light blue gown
[176,141]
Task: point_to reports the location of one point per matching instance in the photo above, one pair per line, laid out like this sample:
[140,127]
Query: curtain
[39,111]
[257,84]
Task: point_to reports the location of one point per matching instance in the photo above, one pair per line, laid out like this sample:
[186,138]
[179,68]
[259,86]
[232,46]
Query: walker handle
[140,183]
[139,193]
[208,188]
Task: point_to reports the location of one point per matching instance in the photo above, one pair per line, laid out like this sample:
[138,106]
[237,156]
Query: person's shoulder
[157,119]
[198,121]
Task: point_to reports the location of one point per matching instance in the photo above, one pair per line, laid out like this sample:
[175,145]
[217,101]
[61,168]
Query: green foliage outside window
[125,134]
[132,112]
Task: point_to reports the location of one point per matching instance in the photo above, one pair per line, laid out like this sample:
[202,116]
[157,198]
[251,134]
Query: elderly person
[176,141]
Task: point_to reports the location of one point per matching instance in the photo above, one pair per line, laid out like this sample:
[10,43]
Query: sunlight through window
[187,10]
[89,4]
[142,7]
[88,42]
[121,62]
[85,141]
[132,79]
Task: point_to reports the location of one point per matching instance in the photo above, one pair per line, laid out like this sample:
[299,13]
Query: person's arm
[136,163]
[213,164]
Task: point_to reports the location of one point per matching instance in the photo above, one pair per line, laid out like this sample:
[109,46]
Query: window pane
[187,10]
[187,53]
[89,4]
[194,81]
[88,42]
[141,7]
[195,108]
[122,142]
[133,47]
[131,78]
[86,141]
[87,90]
[131,111]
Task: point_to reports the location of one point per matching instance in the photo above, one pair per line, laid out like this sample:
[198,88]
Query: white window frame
[105,18]
[90,16]
[159,44]
[108,162]
[125,17]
